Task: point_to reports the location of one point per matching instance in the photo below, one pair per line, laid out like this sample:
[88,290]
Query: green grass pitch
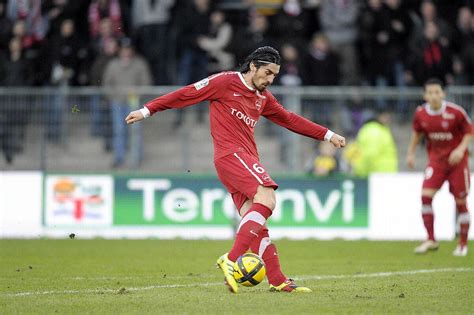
[73,276]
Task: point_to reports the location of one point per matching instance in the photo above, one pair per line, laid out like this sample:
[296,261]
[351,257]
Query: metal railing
[78,129]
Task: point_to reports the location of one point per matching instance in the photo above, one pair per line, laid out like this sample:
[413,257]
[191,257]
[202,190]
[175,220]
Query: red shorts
[458,177]
[242,173]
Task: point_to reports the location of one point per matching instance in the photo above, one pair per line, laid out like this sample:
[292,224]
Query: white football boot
[426,246]
[460,251]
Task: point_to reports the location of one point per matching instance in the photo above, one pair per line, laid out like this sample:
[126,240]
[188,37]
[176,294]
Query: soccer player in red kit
[447,130]
[237,100]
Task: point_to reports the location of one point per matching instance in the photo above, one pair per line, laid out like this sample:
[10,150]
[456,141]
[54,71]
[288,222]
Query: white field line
[384,274]
[173,286]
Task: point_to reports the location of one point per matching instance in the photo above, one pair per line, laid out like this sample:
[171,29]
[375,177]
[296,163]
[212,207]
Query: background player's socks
[464,220]
[250,227]
[428,216]
[263,247]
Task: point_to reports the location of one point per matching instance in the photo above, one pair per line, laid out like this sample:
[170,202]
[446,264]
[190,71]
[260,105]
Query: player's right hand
[411,161]
[456,156]
[134,116]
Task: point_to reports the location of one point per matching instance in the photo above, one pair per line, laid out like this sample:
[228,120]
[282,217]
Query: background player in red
[237,100]
[447,130]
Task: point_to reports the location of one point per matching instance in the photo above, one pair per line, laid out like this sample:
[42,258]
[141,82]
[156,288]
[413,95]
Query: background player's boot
[460,250]
[289,286]
[426,246]
[227,268]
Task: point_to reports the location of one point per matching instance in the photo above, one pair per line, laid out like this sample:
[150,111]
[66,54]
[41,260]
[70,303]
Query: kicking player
[237,100]
[447,130]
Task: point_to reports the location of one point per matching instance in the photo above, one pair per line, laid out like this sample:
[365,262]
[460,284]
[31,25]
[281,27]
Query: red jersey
[235,109]
[443,129]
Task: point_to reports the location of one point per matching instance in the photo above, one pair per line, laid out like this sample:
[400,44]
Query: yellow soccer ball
[249,270]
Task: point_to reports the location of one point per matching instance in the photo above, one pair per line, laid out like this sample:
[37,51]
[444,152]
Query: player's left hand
[338,141]
[455,157]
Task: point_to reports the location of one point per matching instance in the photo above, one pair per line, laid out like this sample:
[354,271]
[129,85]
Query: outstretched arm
[275,112]
[414,141]
[206,89]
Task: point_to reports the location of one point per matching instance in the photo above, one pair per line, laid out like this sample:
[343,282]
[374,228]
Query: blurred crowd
[118,43]
[323,42]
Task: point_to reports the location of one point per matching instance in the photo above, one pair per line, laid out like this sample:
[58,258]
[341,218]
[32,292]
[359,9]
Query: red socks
[249,229]
[464,220]
[265,249]
[428,216]
[253,234]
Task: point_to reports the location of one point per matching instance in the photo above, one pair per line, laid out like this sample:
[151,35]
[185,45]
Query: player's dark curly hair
[260,57]
[433,81]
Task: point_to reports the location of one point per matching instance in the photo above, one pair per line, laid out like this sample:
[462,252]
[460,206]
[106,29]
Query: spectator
[14,71]
[100,111]
[56,11]
[30,47]
[432,60]
[62,58]
[100,9]
[250,38]
[400,27]
[464,31]
[376,149]
[194,60]
[5,26]
[121,76]
[321,63]
[321,68]
[290,75]
[19,31]
[325,162]
[151,21]
[291,70]
[292,23]
[429,14]
[104,35]
[30,13]
[216,43]
[64,54]
[108,52]
[467,57]
[375,31]
[463,46]
[339,22]
[14,68]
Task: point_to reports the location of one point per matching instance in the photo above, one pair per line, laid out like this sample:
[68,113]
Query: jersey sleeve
[276,113]
[465,123]
[209,88]
[416,125]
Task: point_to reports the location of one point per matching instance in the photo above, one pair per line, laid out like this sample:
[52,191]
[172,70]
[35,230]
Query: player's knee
[461,205]
[265,196]
[428,192]
[460,201]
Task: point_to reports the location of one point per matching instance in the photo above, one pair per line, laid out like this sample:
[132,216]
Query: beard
[261,87]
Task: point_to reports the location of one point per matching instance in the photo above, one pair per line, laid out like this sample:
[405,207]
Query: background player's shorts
[458,177]
[241,174]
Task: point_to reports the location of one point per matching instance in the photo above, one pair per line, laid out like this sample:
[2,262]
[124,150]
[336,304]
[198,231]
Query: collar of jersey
[245,83]
[436,112]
